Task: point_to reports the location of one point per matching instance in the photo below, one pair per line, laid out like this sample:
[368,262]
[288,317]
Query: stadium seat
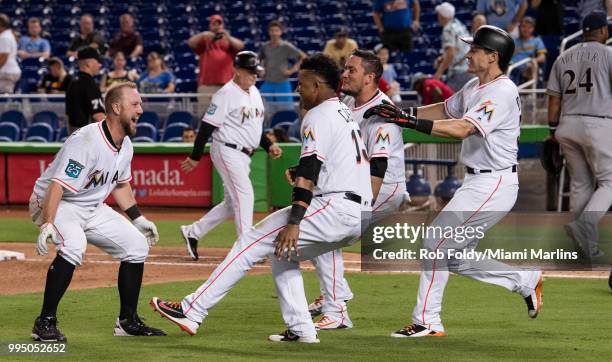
[174,132]
[145,132]
[62,134]
[179,117]
[40,132]
[9,132]
[46,117]
[15,117]
[150,118]
[283,117]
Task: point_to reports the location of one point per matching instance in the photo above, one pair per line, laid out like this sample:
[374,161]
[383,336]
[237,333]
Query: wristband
[133,212]
[424,126]
[297,214]
[301,194]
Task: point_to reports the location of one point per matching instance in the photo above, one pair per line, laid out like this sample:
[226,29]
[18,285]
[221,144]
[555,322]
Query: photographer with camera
[216,49]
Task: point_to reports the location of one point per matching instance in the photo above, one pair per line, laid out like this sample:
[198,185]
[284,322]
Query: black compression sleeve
[378,167]
[204,133]
[309,168]
[265,142]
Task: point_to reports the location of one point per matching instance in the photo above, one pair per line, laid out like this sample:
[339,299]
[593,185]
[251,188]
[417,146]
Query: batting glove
[147,228]
[392,114]
[47,234]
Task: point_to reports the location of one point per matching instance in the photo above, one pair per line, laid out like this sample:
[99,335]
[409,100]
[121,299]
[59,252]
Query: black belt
[472,171]
[244,150]
[347,195]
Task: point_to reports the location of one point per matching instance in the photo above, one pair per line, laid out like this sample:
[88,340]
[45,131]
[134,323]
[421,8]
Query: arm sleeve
[553,86]
[453,106]
[204,133]
[481,7]
[314,141]
[378,167]
[138,39]
[377,6]
[72,165]
[265,142]
[94,100]
[540,47]
[292,50]
[217,110]
[379,142]
[46,47]
[125,175]
[448,39]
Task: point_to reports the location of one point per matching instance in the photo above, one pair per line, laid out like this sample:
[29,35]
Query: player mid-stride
[234,119]
[485,113]
[68,205]
[332,179]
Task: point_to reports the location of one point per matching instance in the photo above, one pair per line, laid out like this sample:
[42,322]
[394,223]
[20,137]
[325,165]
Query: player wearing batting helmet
[485,114]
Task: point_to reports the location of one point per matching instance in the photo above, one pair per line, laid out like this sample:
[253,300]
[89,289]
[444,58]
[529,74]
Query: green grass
[483,322]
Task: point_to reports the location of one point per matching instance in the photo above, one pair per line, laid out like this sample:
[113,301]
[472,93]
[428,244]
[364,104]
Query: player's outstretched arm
[49,210]
[125,199]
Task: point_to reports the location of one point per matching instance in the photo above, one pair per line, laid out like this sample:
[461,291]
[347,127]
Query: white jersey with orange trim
[324,132]
[382,139]
[237,114]
[88,166]
[494,109]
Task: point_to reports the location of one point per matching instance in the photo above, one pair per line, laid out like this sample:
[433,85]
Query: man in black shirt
[83,98]
[87,37]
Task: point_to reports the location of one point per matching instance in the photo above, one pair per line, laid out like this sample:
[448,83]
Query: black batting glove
[392,114]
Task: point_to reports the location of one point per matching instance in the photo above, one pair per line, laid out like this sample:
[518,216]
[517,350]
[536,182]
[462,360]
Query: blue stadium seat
[62,134]
[174,132]
[15,117]
[150,118]
[186,86]
[46,117]
[145,132]
[179,117]
[40,132]
[9,132]
[283,117]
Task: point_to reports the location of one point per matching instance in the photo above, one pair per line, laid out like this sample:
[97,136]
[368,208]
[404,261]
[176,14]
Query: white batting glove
[47,234]
[147,228]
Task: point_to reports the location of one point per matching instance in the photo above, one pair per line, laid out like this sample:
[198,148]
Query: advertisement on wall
[157,180]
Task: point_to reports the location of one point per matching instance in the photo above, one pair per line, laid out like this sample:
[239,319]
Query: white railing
[575,35]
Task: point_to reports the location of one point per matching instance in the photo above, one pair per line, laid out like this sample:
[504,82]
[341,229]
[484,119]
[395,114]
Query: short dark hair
[275,23]
[371,62]
[114,93]
[323,66]
[188,129]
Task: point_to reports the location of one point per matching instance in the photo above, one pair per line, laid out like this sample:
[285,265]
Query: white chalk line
[310,268]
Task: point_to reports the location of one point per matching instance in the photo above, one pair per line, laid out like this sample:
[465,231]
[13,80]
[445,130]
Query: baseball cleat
[130,327]
[45,330]
[174,312]
[288,336]
[587,249]
[327,322]
[534,300]
[417,330]
[191,243]
[316,307]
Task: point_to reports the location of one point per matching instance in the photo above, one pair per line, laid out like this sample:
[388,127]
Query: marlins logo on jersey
[487,110]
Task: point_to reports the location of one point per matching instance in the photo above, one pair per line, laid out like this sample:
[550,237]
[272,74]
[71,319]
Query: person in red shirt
[216,49]
[431,90]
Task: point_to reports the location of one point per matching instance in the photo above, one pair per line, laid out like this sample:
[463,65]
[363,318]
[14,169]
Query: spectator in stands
[585,7]
[56,80]
[119,73]
[527,46]
[9,68]
[477,21]
[87,37]
[156,79]
[34,46]
[549,18]
[452,61]
[340,47]
[389,73]
[83,98]
[505,14]
[189,135]
[396,21]
[216,49]
[431,90]
[127,39]
[275,55]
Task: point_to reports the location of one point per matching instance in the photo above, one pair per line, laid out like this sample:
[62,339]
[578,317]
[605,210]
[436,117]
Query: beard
[349,92]
[127,127]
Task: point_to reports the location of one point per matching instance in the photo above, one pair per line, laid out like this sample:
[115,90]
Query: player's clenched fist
[188,164]
[275,152]
[148,229]
[47,234]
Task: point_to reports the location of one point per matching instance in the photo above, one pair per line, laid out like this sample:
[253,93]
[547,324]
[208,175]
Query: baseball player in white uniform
[68,206]
[485,113]
[579,92]
[385,147]
[235,120]
[325,214]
